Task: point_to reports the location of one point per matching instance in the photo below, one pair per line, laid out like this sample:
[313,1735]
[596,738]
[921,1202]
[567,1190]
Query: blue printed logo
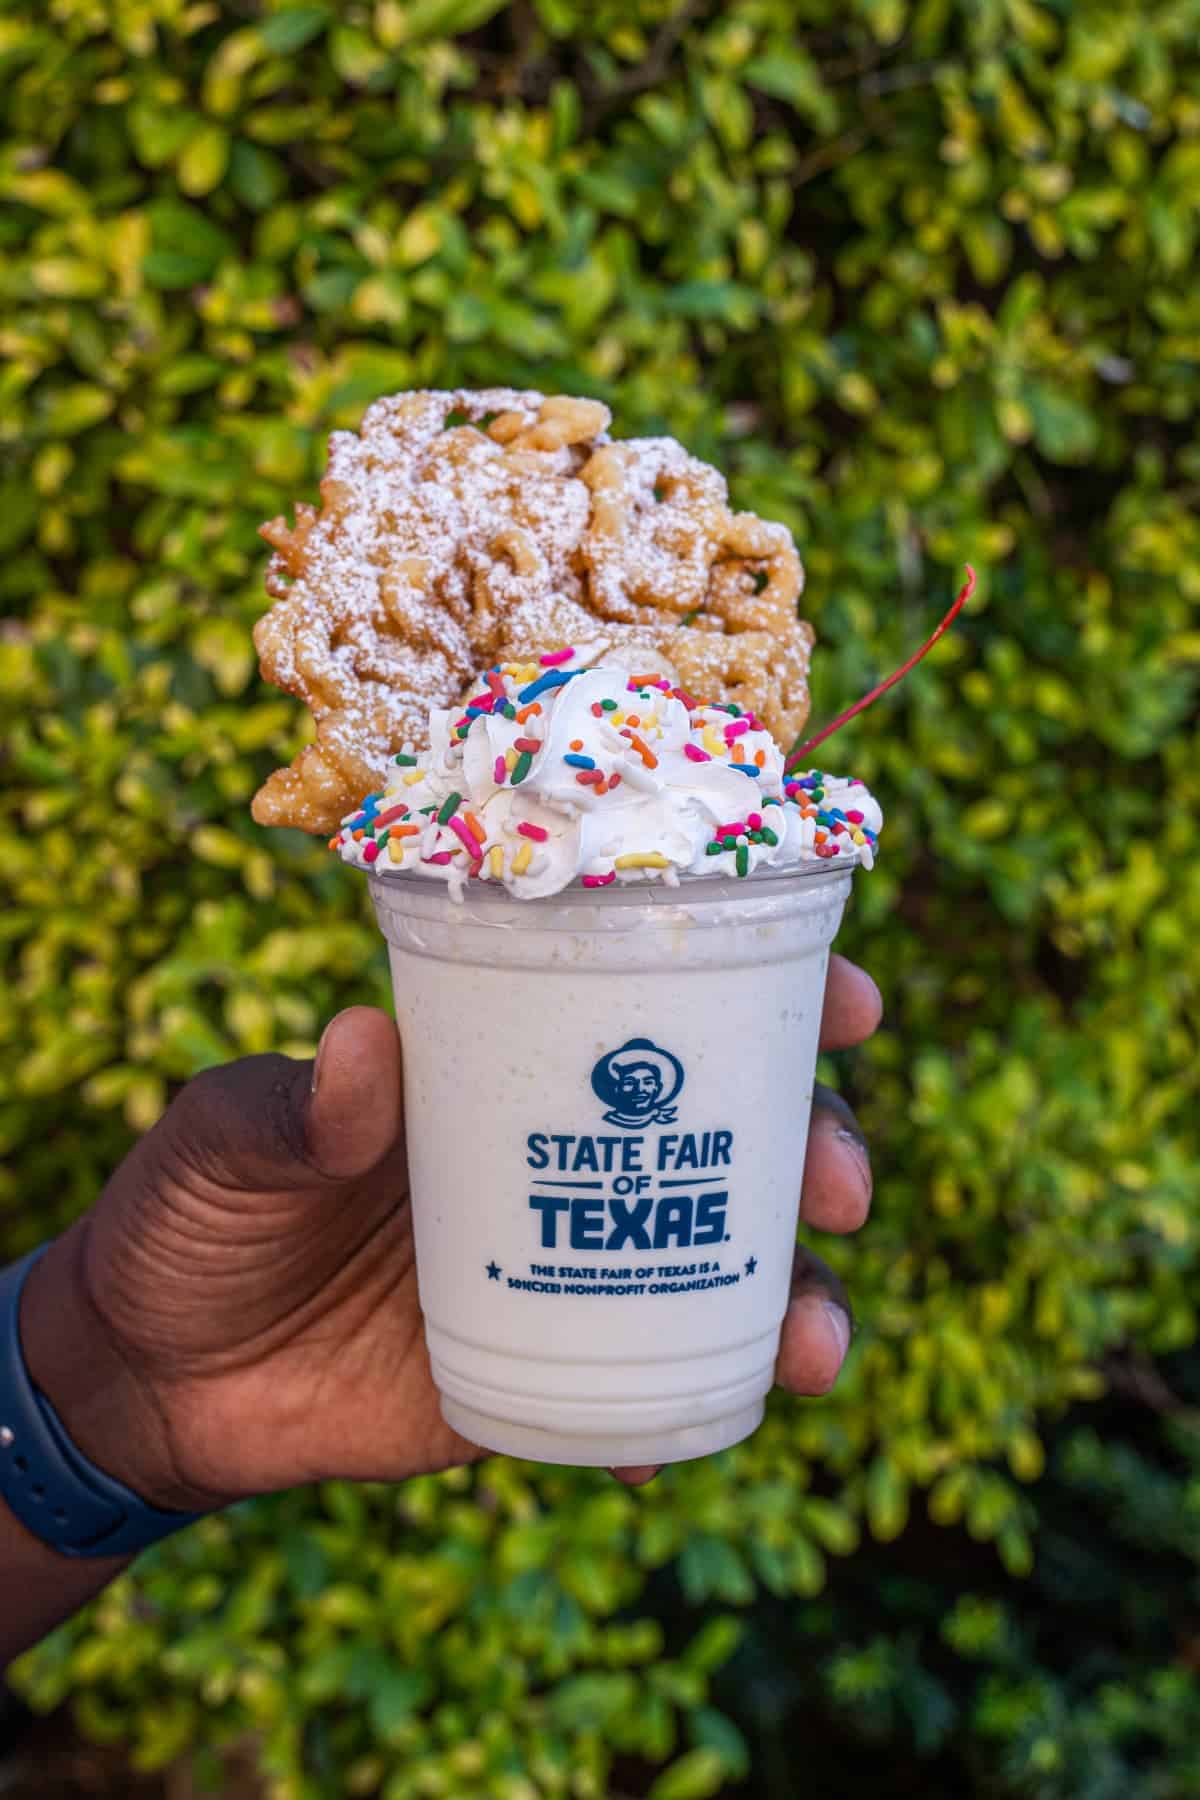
[638,1084]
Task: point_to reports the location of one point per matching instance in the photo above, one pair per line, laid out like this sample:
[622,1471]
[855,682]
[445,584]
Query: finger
[638,1476]
[257,1124]
[816,1329]
[354,1106]
[853,1005]
[837,1168]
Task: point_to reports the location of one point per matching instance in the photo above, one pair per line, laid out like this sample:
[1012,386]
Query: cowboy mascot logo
[638,1084]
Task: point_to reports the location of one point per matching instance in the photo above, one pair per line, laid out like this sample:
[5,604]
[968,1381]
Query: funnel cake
[463,528]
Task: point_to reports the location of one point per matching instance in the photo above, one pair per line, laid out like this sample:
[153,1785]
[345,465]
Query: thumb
[267,1123]
[354,1110]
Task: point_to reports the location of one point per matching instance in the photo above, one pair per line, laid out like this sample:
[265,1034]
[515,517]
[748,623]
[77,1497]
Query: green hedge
[918,273]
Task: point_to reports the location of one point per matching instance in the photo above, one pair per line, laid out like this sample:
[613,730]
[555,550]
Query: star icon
[751,1265]
[493,1269]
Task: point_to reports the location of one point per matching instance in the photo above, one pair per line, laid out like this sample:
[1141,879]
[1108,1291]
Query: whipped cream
[550,773]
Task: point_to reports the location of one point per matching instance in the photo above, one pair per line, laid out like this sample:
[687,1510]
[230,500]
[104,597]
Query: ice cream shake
[609,912]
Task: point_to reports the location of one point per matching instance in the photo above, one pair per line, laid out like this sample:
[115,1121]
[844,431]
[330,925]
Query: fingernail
[838,1321]
[862,1156]
[318,1059]
[827,1100]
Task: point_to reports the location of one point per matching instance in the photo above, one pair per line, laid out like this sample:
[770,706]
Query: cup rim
[487,893]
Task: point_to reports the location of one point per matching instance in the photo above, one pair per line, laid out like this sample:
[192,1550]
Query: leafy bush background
[920,275]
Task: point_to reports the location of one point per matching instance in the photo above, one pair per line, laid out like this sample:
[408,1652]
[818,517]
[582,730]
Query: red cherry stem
[802,750]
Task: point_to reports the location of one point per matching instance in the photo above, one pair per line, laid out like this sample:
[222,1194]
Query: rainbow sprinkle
[617,741]
[551,679]
[470,843]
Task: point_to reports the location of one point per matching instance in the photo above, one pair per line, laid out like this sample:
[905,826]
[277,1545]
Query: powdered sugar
[459,527]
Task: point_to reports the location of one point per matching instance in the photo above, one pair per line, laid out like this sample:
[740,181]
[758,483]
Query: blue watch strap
[46,1481]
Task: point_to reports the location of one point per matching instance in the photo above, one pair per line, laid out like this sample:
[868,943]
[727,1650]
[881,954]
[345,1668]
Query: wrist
[107,1407]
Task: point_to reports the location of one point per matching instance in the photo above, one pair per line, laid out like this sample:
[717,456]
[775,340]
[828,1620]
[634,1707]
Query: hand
[246,1288]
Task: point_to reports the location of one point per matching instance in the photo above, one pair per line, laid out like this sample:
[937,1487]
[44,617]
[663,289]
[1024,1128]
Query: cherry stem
[802,750]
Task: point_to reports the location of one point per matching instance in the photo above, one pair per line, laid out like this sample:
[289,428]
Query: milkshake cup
[607,1097]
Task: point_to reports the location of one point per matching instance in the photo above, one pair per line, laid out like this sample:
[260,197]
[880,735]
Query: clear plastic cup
[607,1096]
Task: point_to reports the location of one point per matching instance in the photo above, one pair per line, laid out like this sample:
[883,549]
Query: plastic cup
[607,1098]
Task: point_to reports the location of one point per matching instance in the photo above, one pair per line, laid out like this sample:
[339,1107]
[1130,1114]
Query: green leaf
[192,373]
[590,1702]
[285,32]
[887,1499]
[791,75]
[257,178]
[18,513]
[395,1696]
[423,19]
[1064,428]
[169,269]
[203,161]
[711,1730]
[714,1644]
[695,1775]
[306,1564]
[356,56]
[711,1566]
[186,246]
[727,300]
[68,411]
